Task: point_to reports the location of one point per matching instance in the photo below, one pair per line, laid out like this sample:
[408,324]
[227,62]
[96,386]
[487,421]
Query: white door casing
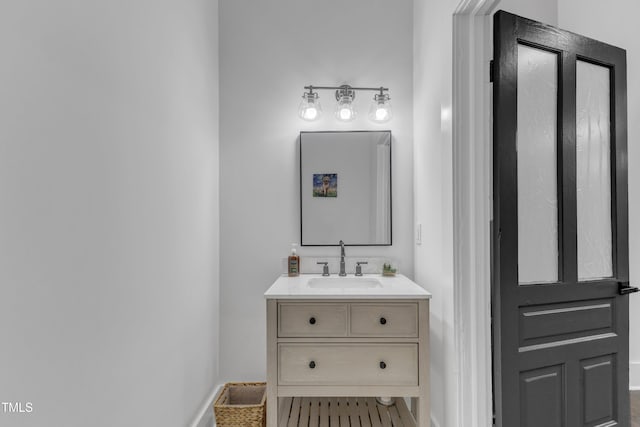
[472,209]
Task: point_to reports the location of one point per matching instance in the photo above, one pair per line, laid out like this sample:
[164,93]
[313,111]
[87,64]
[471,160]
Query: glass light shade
[380,110]
[345,111]
[310,108]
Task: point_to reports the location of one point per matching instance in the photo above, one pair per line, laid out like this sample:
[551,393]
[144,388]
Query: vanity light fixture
[380,111]
[344,110]
[310,108]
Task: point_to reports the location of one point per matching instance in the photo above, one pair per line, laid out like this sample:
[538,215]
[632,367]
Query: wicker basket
[241,405]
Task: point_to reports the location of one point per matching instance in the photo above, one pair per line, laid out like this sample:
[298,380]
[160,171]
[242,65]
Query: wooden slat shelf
[343,412]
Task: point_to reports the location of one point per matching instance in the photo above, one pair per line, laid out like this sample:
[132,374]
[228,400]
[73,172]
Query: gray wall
[108,210]
[269,50]
[615,23]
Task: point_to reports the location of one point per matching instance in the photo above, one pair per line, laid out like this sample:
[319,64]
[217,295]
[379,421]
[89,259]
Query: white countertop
[390,288]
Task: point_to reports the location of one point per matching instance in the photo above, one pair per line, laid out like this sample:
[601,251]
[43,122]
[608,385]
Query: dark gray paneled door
[560,233]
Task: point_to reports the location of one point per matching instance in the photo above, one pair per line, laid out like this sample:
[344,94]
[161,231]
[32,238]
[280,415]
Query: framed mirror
[345,188]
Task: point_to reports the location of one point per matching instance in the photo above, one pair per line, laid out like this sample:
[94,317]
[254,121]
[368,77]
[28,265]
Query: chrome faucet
[342,269]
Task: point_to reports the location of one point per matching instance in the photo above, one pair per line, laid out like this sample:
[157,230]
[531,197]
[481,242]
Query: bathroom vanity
[334,344]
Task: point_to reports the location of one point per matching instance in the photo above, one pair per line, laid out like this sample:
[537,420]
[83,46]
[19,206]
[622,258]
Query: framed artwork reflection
[325,185]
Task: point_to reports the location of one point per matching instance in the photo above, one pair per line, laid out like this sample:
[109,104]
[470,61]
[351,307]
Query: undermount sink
[344,282]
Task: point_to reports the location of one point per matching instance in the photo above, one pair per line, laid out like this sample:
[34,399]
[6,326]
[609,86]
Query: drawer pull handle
[383,365]
[383,321]
[312,321]
[312,364]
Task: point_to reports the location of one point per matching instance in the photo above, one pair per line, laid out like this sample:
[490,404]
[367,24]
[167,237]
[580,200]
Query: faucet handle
[359,267]
[325,268]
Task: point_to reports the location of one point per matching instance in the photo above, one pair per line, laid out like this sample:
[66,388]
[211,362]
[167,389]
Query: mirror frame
[390,185]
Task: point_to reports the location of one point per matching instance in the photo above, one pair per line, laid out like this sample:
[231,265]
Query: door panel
[542,402]
[548,323]
[560,241]
[598,393]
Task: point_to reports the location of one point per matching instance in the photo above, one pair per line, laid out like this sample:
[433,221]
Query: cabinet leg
[420,410]
[272,363]
[272,410]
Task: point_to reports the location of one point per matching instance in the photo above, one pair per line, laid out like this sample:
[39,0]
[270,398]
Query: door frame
[472,193]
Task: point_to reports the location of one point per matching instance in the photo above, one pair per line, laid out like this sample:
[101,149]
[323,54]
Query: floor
[635,408]
[207,420]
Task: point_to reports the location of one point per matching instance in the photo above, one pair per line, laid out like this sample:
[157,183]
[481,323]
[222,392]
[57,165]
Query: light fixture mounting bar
[350,87]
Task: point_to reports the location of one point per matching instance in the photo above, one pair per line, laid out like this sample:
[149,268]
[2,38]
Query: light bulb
[381,114]
[310,108]
[310,113]
[380,111]
[345,114]
[345,111]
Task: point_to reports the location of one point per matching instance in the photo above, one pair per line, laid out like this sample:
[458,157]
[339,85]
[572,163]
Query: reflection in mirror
[345,188]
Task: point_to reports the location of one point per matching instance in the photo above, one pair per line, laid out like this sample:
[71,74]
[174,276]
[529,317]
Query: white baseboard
[634,376]
[205,406]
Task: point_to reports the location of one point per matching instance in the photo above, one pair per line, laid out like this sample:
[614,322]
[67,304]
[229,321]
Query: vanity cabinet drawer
[348,364]
[312,320]
[384,320]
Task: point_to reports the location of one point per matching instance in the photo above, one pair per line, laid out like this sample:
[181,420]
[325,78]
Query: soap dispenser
[293,265]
